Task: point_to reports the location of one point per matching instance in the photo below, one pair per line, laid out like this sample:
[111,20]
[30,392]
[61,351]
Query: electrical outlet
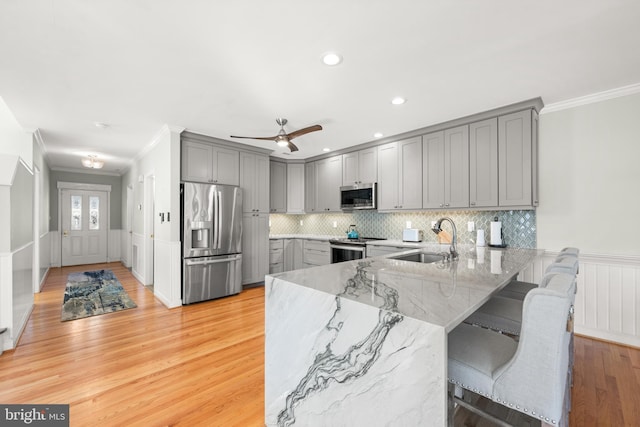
[335,224]
[471,226]
[408,224]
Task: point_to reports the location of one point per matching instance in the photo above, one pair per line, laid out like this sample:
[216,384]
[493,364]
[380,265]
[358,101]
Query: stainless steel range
[349,249]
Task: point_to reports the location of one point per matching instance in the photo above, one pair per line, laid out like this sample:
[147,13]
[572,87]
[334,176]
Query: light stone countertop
[440,293]
[324,237]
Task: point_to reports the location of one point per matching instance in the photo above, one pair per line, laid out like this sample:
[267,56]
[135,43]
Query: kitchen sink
[423,257]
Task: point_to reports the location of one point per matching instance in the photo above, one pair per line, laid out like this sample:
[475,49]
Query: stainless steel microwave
[359,196]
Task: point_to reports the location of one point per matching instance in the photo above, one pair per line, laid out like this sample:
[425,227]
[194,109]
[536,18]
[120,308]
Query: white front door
[84,227]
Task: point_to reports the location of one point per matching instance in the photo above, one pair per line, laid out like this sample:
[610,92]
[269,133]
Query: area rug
[92,293]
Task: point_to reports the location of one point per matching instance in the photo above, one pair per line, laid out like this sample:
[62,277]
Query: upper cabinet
[203,162]
[360,167]
[310,205]
[254,181]
[278,187]
[327,184]
[400,175]
[483,163]
[445,163]
[517,159]
[295,188]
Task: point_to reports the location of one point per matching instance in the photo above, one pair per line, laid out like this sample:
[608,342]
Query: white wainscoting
[167,286]
[137,257]
[125,242]
[54,248]
[608,298]
[45,258]
[114,248]
[16,293]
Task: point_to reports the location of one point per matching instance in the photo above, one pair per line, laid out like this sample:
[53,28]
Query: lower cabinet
[276,256]
[255,247]
[292,254]
[315,252]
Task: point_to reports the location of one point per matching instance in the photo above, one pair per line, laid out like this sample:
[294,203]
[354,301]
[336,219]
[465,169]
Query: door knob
[65,233]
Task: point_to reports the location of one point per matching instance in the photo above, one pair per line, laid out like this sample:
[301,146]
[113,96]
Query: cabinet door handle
[440,204]
[446,204]
[472,203]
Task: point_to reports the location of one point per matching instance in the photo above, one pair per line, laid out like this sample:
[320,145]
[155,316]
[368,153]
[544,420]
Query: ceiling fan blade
[265,138]
[303,131]
[292,147]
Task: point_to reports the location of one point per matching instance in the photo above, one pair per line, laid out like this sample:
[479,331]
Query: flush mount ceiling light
[378,135]
[326,149]
[101,125]
[398,100]
[331,59]
[92,162]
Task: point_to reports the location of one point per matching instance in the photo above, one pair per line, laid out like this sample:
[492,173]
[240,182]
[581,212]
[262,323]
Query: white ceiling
[225,68]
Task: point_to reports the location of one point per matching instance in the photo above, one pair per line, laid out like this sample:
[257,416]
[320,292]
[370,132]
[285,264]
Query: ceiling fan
[283,138]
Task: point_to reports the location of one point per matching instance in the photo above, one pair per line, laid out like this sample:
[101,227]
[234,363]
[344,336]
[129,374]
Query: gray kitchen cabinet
[445,165]
[310,187]
[315,252]
[517,157]
[293,254]
[276,256]
[255,247]
[202,162]
[295,188]
[483,163]
[360,167]
[254,181]
[400,175]
[328,183]
[278,187]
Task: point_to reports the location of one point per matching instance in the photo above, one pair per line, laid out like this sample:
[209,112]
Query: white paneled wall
[137,257]
[608,299]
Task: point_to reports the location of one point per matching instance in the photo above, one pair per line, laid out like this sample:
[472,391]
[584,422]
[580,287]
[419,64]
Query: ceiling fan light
[282,142]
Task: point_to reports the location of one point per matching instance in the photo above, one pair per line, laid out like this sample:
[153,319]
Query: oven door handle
[348,248]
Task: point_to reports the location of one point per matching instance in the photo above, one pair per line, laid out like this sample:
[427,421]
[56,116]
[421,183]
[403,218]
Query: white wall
[590,177]
[589,186]
[162,160]
[13,138]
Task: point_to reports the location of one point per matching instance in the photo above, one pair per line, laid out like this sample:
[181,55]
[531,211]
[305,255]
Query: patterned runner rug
[92,293]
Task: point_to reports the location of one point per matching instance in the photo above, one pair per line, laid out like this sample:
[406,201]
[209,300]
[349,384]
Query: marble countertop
[440,293]
[325,237]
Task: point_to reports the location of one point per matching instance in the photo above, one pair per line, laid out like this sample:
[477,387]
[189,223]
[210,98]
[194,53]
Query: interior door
[84,227]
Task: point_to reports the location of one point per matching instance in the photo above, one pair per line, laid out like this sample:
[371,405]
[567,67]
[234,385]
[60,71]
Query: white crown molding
[85,171]
[81,186]
[165,129]
[591,99]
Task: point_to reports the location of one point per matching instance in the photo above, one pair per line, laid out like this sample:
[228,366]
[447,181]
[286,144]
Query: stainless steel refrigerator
[211,219]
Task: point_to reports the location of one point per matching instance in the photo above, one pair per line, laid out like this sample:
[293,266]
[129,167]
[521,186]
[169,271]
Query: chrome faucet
[437,229]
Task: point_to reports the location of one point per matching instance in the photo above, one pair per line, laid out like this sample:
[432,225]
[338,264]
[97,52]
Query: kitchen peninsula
[364,343]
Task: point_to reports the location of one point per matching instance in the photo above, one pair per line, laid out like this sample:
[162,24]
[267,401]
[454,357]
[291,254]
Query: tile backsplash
[519,227]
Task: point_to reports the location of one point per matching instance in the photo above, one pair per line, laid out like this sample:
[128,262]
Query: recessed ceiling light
[378,135]
[398,100]
[331,59]
[101,125]
[326,149]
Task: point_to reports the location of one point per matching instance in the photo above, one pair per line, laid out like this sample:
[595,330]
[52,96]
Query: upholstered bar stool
[529,376]
[504,314]
[517,289]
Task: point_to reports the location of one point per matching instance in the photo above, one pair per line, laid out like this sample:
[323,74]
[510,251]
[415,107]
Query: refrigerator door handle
[216,220]
[215,261]
[219,234]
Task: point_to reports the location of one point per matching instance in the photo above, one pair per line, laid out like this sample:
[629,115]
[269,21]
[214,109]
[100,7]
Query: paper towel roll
[496,233]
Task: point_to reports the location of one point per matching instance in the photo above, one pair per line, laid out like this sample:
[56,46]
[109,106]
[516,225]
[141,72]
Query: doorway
[84,223]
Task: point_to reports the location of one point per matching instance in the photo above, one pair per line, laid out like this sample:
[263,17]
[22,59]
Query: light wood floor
[203,364]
